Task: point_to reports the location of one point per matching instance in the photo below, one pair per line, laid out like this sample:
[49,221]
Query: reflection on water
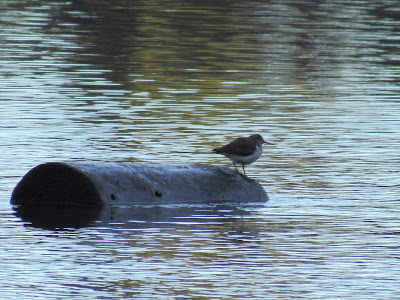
[138,216]
[57,218]
[166,82]
[287,249]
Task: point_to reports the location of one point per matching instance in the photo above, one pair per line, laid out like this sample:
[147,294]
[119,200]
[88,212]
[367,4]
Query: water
[165,83]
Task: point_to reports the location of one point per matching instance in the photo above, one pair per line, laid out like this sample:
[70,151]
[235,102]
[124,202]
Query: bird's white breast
[246,160]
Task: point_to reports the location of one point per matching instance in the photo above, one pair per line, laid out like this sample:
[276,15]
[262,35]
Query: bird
[243,150]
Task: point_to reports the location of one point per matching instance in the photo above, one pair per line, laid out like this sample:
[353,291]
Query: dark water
[145,81]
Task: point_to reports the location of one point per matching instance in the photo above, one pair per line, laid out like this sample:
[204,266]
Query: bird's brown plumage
[243,150]
[239,146]
[243,146]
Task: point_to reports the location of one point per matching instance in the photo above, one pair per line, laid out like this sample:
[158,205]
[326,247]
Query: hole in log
[158,194]
[113,197]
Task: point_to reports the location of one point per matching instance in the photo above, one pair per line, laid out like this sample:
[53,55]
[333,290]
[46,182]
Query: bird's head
[260,139]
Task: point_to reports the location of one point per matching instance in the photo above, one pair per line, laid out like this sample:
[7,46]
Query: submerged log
[96,184]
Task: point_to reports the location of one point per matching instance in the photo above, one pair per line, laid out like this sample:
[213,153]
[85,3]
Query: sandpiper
[243,150]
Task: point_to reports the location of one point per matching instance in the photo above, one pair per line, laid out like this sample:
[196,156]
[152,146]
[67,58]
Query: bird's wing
[239,146]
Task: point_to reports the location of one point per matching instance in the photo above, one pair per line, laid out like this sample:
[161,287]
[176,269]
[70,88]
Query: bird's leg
[245,176]
[235,167]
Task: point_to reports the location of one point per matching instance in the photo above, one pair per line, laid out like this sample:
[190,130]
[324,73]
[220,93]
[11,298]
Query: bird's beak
[265,142]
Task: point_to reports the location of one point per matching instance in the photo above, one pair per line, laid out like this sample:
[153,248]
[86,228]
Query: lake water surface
[143,81]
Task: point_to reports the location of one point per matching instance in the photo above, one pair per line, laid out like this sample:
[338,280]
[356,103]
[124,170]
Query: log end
[56,184]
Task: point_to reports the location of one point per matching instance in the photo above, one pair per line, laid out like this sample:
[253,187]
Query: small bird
[243,150]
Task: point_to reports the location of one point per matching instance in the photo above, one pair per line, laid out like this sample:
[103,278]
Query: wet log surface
[98,184]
